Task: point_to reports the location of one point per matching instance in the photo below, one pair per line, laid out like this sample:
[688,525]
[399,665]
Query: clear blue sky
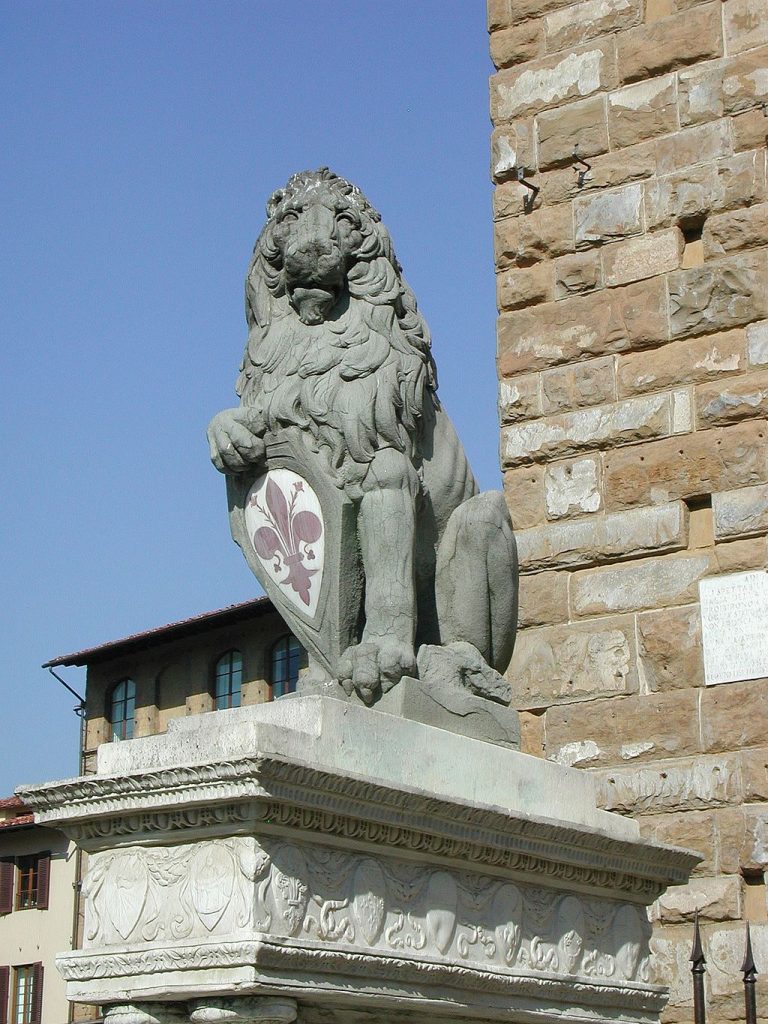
[139,143]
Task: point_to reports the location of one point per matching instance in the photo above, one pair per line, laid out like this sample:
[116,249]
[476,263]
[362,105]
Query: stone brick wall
[633,364]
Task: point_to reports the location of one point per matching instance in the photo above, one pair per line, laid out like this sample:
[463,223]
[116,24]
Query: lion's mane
[359,382]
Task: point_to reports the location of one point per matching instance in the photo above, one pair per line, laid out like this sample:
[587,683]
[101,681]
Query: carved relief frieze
[319,895]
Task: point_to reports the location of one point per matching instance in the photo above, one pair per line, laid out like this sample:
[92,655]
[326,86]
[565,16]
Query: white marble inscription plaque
[734,627]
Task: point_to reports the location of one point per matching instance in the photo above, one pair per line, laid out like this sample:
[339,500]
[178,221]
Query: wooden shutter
[5,979]
[43,879]
[7,868]
[37,993]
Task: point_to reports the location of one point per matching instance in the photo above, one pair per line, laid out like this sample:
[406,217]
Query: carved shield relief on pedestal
[298,533]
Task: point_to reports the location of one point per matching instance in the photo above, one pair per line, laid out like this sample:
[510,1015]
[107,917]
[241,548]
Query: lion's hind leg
[476,578]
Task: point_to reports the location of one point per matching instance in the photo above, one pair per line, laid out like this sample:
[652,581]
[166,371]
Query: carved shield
[298,532]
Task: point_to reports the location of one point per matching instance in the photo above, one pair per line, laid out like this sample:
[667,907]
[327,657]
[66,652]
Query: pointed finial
[748,968]
[697,957]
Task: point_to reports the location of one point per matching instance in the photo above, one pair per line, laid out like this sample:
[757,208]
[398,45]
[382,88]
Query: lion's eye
[289,215]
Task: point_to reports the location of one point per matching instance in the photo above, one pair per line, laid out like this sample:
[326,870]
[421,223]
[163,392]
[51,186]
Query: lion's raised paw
[374,667]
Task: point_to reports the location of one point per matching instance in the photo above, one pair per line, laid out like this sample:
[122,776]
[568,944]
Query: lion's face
[317,243]
[320,226]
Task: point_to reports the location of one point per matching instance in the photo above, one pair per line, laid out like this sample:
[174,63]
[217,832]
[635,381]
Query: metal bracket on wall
[585,167]
[529,200]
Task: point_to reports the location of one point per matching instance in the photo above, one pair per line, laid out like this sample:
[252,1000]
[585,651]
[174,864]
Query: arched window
[228,682]
[286,659]
[122,709]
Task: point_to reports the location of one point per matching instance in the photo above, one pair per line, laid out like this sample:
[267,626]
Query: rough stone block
[517,44]
[720,295]
[578,386]
[748,131]
[650,583]
[636,728]
[531,733]
[584,121]
[671,951]
[678,785]
[638,258]
[700,92]
[693,830]
[537,8]
[740,513]
[754,851]
[499,14]
[705,462]
[725,954]
[745,81]
[621,319]
[669,648]
[633,164]
[701,144]
[580,272]
[633,419]
[728,718]
[715,899]
[552,80]
[571,663]
[572,488]
[754,771]
[596,539]
[739,229]
[589,19]
[741,555]
[694,194]
[524,491]
[512,145]
[519,398]
[642,111]
[543,599]
[746,24]
[543,233]
[510,199]
[757,343]
[670,43]
[525,286]
[739,398]
[608,215]
[692,360]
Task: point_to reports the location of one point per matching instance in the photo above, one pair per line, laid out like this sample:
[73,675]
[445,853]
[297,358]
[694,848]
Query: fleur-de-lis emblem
[288,538]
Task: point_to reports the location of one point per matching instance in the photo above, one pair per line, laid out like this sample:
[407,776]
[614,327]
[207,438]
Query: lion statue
[337,348]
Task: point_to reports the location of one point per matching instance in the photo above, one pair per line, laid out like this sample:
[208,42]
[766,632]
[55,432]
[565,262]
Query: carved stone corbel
[147,1013]
[242,1010]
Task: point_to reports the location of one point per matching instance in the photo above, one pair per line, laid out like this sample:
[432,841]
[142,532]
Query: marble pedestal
[316,860]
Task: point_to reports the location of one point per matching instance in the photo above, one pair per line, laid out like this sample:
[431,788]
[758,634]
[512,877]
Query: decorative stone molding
[92,810]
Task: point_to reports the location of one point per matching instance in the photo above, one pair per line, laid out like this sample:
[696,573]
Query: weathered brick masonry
[633,363]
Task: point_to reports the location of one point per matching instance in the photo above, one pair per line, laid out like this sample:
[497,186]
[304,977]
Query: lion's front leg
[386,528]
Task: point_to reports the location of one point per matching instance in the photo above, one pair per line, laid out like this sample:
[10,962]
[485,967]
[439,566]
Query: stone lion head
[336,342]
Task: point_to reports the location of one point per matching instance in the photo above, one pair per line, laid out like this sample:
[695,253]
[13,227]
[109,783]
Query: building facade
[632,274]
[38,872]
[239,655]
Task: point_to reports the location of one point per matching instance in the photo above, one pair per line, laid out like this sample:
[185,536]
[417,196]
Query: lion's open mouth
[313,305]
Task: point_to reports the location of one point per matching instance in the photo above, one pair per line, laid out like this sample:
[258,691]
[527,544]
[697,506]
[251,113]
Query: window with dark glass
[228,682]
[122,709]
[286,660]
